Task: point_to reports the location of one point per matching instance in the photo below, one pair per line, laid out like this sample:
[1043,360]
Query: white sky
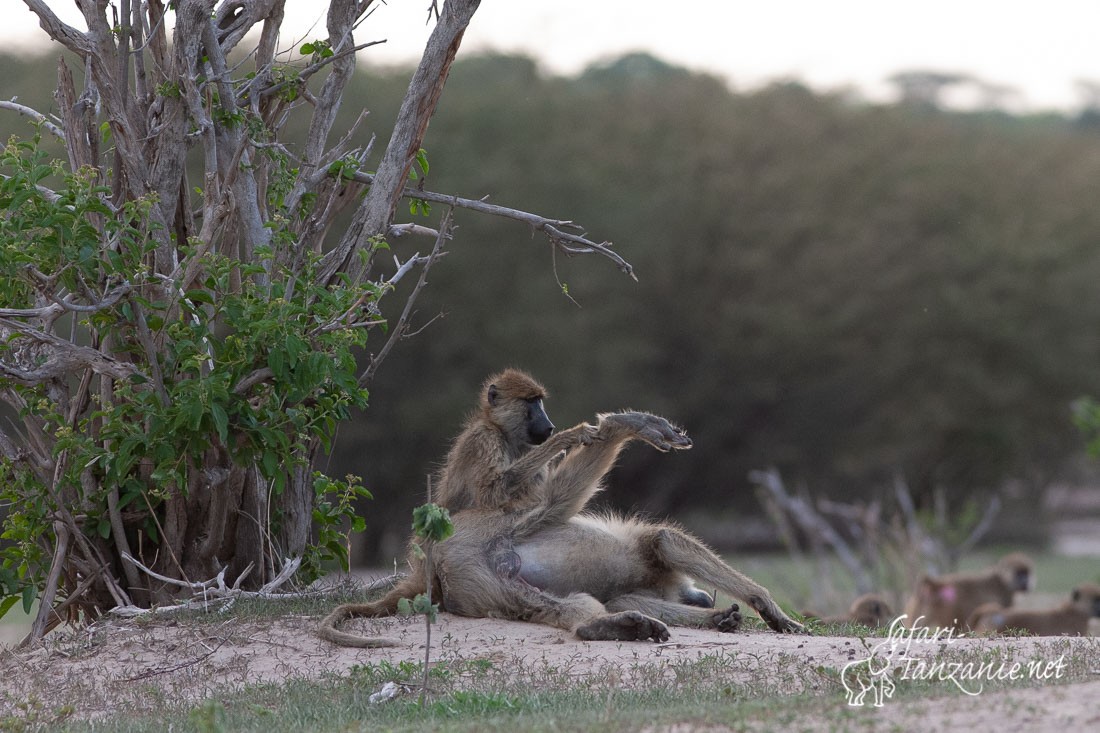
[1039,48]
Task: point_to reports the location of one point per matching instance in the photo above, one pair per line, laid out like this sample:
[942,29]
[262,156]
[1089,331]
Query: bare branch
[60,305]
[568,243]
[63,358]
[66,35]
[402,322]
[259,375]
[375,214]
[34,115]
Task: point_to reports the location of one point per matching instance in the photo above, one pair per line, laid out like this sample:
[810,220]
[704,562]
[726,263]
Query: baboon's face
[1021,579]
[539,427]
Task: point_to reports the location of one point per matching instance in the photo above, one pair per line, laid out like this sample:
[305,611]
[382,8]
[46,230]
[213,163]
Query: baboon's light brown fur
[537,558]
[1071,618]
[948,600]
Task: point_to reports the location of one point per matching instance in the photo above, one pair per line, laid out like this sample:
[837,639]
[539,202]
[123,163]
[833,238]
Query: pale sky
[1042,49]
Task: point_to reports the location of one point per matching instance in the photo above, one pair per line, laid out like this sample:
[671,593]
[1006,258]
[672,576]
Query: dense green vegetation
[845,291]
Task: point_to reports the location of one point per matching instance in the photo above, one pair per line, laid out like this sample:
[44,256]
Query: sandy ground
[130,664]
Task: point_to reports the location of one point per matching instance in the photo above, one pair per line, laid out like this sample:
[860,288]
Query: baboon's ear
[1076,595]
[492,395]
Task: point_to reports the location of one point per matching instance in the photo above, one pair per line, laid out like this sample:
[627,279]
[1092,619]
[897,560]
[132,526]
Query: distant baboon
[947,601]
[603,577]
[870,609]
[1071,618]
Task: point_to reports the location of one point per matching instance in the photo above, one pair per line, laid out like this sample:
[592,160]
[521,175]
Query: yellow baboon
[600,576]
[947,601]
[501,456]
[1071,618]
[870,609]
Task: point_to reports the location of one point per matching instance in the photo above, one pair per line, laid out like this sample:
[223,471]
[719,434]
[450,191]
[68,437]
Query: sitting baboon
[602,577]
[501,456]
[948,600]
[870,609]
[1071,618]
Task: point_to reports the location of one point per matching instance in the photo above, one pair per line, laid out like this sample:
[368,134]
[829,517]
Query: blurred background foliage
[850,292]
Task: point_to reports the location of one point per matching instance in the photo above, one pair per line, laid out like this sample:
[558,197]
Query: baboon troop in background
[948,600]
[524,550]
[1071,618]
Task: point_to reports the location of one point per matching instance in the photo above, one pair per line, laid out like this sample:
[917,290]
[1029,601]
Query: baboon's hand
[728,620]
[785,625]
[657,431]
[583,434]
[774,617]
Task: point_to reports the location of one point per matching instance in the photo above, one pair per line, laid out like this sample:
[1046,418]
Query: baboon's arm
[574,481]
[519,477]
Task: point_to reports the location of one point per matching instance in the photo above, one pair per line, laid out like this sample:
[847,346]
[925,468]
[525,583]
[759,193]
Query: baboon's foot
[624,626]
[728,620]
[775,618]
[657,431]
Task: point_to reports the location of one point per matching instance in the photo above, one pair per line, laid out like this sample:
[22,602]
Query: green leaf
[199,296]
[6,604]
[29,594]
[404,607]
[432,522]
[221,421]
[307,49]
[270,462]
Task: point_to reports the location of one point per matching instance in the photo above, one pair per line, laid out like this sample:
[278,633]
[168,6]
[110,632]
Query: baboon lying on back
[1071,618]
[870,609]
[948,601]
[533,556]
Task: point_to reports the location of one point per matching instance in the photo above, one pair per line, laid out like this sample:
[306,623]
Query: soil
[127,664]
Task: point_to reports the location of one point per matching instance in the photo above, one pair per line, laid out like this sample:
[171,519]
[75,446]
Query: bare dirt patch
[138,665]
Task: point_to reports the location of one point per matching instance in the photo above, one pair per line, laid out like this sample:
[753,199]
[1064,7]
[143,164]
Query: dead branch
[34,115]
[553,228]
[812,523]
[403,322]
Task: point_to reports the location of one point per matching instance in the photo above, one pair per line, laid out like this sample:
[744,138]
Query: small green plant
[431,524]
[419,206]
[317,50]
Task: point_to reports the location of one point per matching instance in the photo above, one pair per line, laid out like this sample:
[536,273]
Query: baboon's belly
[580,560]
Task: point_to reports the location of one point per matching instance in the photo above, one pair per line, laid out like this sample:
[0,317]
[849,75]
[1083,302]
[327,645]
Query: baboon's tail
[386,606]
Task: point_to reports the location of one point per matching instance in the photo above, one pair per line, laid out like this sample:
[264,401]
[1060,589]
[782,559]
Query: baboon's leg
[655,430]
[678,614]
[674,550]
[583,615]
[580,613]
[573,481]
